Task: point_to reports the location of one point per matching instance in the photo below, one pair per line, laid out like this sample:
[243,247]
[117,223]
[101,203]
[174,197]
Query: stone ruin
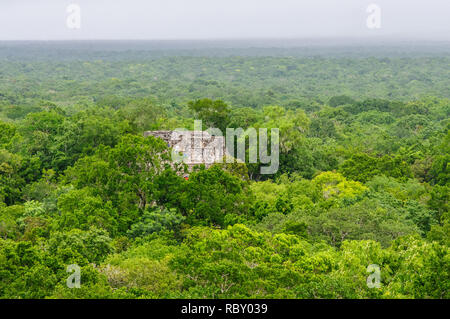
[195,147]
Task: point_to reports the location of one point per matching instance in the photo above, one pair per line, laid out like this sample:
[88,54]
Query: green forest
[363,179]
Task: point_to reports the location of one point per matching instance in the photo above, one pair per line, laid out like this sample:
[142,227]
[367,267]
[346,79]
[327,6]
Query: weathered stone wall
[196,147]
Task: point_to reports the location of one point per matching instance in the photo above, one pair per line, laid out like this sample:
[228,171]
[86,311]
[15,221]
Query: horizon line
[217,39]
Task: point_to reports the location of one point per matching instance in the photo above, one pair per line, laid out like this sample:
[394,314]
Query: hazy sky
[217,19]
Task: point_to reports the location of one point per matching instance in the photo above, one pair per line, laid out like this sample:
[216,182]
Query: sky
[224,19]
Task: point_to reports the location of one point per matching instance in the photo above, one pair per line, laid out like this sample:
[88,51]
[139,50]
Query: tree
[421,269]
[126,175]
[213,197]
[244,117]
[362,167]
[143,114]
[7,131]
[340,100]
[440,170]
[39,133]
[80,246]
[363,221]
[322,128]
[11,181]
[80,209]
[331,188]
[212,113]
[156,220]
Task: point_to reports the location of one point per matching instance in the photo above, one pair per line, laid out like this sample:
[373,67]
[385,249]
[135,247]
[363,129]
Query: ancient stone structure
[195,147]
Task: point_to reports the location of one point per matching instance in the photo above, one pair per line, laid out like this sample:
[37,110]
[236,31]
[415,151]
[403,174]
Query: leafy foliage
[363,176]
